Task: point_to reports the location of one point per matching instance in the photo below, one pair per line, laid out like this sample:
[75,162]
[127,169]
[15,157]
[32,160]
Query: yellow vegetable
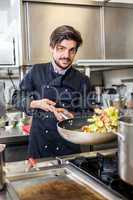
[103,121]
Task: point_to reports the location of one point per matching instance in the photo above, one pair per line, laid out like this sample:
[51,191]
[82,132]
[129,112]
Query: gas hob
[104,169]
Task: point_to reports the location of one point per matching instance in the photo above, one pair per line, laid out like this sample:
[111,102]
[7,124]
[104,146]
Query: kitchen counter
[9,135]
[14,169]
[16,143]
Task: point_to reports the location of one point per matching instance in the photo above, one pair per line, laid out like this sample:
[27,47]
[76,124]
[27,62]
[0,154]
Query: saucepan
[71,130]
[125,149]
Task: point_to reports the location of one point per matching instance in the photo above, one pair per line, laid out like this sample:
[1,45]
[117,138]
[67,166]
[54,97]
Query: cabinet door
[8,24]
[42,18]
[119,33]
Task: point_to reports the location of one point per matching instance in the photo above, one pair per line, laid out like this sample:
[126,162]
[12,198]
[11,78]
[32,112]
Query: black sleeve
[25,94]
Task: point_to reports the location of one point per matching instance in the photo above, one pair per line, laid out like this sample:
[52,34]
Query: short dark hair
[65,32]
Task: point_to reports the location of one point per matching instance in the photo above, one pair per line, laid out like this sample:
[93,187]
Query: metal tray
[63,173]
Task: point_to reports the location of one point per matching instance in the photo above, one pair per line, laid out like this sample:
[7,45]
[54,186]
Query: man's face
[64,53]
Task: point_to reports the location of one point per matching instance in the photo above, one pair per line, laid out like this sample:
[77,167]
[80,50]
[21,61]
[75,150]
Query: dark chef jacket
[66,90]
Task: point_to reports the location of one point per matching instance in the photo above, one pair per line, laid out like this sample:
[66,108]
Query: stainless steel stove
[59,174]
[96,171]
[104,170]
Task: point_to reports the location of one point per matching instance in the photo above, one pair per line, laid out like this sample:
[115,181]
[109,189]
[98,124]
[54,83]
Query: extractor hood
[104,64]
[116,1]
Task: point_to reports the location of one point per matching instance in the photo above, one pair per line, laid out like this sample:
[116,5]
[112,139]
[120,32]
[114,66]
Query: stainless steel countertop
[10,135]
[13,169]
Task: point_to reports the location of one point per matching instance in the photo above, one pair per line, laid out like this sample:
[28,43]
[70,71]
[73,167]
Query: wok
[70,129]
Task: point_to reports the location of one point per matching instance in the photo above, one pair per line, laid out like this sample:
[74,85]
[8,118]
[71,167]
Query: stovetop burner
[105,170]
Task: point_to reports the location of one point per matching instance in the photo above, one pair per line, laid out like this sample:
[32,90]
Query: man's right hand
[44,104]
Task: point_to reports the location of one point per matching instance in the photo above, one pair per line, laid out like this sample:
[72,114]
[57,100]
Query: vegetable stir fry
[103,121]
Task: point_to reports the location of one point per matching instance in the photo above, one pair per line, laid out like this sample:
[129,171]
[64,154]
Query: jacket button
[47,86]
[45,146]
[57,148]
[66,90]
[46,131]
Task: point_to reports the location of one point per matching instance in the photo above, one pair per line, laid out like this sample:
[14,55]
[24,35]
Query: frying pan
[70,129]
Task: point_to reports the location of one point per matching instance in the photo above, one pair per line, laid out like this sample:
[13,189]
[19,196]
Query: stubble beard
[60,66]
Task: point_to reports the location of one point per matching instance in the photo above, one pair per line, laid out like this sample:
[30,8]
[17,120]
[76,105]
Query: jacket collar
[68,79]
[58,69]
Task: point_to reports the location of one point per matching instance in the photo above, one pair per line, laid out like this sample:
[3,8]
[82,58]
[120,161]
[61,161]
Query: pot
[125,149]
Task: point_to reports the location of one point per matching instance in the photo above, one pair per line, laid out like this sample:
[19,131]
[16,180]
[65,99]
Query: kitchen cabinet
[118,32]
[106,28]
[16,144]
[7,48]
[42,18]
[10,33]
[16,152]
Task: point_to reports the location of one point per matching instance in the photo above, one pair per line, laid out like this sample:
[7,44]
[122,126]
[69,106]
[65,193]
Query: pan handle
[64,116]
[120,135]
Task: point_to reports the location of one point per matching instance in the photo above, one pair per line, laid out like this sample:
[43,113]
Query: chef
[50,89]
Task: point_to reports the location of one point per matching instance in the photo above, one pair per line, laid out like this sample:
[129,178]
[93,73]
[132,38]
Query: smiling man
[64,53]
[50,89]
